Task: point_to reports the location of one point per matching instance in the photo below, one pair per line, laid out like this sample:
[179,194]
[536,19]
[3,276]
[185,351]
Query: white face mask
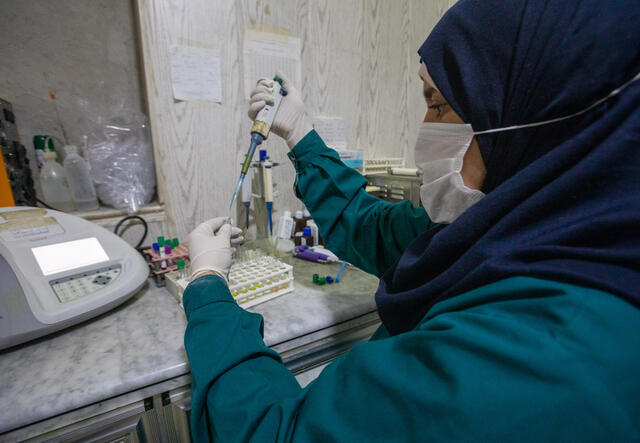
[440,150]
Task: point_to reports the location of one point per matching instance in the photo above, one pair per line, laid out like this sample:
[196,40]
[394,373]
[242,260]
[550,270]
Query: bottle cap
[175,243]
[161,240]
[180,264]
[156,247]
[287,213]
[39,142]
[167,249]
[263,154]
[306,231]
[298,214]
[307,213]
[311,223]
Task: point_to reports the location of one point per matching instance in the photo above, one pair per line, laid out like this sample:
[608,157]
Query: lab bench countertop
[140,343]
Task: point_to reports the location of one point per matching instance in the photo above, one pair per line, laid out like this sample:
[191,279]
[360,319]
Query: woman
[514,317]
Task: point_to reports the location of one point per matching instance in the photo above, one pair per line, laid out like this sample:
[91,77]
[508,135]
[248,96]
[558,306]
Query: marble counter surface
[310,307]
[140,343]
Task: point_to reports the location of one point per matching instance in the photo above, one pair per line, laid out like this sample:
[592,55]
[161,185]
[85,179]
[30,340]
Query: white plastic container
[53,182]
[285,226]
[79,178]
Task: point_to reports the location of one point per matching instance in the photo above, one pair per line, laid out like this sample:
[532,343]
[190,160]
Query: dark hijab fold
[563,200]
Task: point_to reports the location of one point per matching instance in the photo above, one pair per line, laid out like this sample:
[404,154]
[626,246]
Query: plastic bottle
[285,226]
[300,222]
[306,216]
[79,178]
[53,182]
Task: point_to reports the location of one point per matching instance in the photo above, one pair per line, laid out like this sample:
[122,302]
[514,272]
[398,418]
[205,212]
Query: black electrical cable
[133,217]
[46,205]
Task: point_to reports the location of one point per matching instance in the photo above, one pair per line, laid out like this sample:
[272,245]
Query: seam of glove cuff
[203,272]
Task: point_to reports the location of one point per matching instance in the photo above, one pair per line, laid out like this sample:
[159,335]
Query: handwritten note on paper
[266,52]
[195,73]
[333,130]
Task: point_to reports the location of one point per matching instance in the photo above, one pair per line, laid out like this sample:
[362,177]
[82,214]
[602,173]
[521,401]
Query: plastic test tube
[167,251]
[180,264]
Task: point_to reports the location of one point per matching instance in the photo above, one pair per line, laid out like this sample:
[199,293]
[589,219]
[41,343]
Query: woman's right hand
[291,122]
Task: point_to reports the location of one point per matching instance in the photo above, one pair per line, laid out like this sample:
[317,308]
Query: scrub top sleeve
[510,361]
[358,227]
[235,378]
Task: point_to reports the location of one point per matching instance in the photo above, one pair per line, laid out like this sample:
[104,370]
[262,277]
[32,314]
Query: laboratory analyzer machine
[57,270]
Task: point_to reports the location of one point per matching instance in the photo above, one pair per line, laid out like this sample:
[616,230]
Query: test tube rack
[154,260]
[255,281]
[373,166]
[251,282]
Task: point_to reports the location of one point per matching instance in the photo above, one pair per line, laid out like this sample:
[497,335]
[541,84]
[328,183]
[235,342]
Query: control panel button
[83,284]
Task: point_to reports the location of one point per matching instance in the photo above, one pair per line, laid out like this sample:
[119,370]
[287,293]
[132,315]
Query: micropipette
[268,189]
[260,131]
[246,195]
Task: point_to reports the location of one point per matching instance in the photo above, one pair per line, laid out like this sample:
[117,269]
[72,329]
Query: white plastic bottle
[79,178]
[53,182]
[299,221]
[285,225]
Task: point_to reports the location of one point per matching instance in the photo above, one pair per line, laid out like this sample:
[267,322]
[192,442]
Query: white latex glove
[210,247]
[292,122]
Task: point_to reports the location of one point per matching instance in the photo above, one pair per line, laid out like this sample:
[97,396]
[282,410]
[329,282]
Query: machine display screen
[69,255]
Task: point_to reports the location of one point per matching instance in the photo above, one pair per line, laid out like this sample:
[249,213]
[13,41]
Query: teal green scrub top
[521,359]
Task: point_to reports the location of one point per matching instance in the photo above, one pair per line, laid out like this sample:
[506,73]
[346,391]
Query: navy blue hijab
[563,200]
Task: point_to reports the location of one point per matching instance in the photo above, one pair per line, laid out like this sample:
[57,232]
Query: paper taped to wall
[332,130]
[195,73]
[267,52]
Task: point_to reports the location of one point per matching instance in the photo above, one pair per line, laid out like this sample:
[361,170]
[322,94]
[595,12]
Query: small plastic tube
[344,265]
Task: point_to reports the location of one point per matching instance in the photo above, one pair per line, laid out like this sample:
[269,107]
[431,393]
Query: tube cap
[287,213]
[298,214]
[306,231]
[306,213]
